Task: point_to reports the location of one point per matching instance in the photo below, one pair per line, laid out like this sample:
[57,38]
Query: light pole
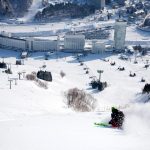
[3,59]
[135,56]
[22,61]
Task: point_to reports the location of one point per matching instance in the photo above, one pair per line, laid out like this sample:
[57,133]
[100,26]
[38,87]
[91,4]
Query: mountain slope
[19,8]
[5,8]
[9,8]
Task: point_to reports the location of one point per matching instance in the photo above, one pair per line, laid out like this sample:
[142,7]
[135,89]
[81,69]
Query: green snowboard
[103,125]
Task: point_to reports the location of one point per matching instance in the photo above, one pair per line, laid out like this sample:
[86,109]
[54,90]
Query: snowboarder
[117,118]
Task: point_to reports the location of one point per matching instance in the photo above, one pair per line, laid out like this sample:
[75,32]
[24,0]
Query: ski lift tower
[10,82]
[100,72]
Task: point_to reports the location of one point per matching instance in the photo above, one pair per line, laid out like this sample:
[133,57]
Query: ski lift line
[91,73]
[89,70]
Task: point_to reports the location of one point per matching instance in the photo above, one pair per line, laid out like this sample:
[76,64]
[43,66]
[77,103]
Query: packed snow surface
[34,118]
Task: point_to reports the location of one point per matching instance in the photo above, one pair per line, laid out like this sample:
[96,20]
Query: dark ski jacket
[117,118]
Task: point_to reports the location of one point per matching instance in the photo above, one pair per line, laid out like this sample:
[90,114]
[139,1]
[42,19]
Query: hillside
[11,8]
[5,8]
[83,82]
[68,8]
[63,11]
[34,118]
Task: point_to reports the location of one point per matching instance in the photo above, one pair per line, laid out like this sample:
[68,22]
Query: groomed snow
[32,118]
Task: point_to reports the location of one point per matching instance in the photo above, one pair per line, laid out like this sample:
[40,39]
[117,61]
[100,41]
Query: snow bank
[32,118]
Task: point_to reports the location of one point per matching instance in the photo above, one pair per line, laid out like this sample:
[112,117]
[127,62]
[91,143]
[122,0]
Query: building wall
[98,47]
[28,44]
[120,34]
[98,3]
[74,42]
[13,43]
[45,45]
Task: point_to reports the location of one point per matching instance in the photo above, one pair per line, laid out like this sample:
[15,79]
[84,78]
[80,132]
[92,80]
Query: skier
[117,118]
[119,14]
[108,15]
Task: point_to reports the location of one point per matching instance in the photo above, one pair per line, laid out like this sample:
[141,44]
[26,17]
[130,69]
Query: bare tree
[31,76]
[80,101]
